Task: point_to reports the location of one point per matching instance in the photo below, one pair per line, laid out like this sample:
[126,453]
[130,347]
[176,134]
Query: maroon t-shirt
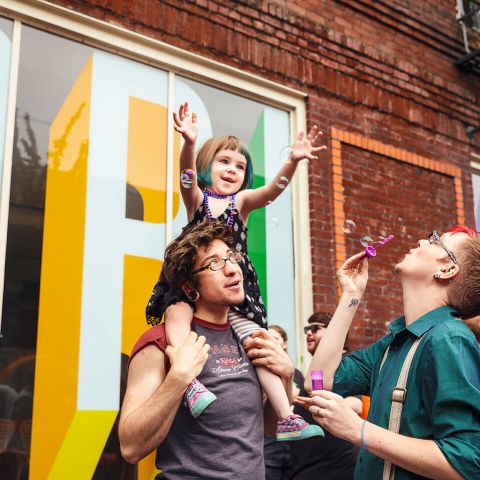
[226,441]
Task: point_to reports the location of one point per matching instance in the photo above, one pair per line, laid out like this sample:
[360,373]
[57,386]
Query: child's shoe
[198,398]
[294,427]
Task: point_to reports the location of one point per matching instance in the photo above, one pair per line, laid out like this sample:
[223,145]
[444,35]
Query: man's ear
[451,271]
[187,287]
[190,291]
[448,272]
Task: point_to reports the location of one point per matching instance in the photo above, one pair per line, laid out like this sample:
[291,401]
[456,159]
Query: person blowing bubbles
[439,424]
[218,186]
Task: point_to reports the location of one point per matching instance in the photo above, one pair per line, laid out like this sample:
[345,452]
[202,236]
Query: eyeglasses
[219,263]
[313,328]
[434,237]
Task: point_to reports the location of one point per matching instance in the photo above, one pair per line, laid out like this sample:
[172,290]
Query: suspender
[399,394]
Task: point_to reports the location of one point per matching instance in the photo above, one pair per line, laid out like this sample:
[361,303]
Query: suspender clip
[399,395]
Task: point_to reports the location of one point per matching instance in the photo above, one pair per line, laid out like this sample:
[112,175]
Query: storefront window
[86,235]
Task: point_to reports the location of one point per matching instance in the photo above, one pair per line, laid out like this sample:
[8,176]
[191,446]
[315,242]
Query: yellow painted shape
[79,454]
[139,276]
[147,469]
[56,372]
[147,156]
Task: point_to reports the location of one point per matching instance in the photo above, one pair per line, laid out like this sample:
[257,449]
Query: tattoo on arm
[354,302]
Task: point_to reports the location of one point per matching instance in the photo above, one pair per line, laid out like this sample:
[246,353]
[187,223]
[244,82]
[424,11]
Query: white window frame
[121,41]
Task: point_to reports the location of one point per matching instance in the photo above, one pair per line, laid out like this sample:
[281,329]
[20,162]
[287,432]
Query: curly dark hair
[182,253]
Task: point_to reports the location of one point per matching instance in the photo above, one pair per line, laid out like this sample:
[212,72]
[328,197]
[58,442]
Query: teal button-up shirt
[443,389]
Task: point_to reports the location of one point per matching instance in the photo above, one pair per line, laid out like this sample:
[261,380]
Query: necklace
[209,193]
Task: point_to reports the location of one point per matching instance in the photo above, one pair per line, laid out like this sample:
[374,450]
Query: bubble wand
[371,251]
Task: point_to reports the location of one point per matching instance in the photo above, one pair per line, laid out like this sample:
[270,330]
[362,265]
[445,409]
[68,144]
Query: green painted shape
[257,231]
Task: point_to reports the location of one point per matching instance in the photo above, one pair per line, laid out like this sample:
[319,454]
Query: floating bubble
[349,227]
[366,241]
[286,154]
[269,202]
[186,178]
[273,222]
[282,182]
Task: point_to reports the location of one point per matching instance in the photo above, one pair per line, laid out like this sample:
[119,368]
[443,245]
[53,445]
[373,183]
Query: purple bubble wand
[317,379]
[371,251]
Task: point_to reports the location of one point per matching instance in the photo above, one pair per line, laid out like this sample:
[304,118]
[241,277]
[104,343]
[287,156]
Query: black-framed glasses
[313,328]
[434,237]
[219,263]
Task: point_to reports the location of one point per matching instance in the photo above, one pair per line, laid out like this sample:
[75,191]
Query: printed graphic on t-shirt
[228,360]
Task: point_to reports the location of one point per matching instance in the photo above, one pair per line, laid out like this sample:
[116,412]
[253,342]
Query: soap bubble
[273,222]
[286,154]
[366,241]
[349,227]
[282,182]
[186,178]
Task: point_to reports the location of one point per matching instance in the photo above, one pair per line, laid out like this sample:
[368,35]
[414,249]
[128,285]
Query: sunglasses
[313,328]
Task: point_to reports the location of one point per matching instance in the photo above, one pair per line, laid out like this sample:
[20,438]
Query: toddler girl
[218,186]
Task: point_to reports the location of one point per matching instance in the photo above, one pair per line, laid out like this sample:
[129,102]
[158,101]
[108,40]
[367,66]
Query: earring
[193,295]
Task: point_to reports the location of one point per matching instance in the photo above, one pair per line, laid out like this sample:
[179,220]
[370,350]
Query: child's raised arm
[305,146]
[187,126]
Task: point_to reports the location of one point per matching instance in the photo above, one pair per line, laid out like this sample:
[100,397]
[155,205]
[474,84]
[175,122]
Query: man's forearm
[422,457]
[328,354]
[146,427]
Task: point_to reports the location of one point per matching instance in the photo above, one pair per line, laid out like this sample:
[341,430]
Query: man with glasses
[439,425]
[330,458]
[226,441]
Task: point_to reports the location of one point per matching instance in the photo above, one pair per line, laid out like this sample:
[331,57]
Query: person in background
[330,458]
[277,454]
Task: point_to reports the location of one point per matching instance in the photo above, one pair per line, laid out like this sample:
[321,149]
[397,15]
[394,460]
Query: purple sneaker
[198,398]
[294,427]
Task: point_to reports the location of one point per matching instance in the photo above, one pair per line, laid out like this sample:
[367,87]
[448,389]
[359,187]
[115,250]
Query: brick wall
[369,67]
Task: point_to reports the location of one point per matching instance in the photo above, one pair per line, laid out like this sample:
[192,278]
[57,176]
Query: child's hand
[307,146]
[185,124]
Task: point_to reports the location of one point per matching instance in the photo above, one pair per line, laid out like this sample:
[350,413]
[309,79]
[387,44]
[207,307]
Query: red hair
[471,232]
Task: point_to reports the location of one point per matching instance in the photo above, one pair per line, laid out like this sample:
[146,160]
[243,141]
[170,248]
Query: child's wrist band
[364,445]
